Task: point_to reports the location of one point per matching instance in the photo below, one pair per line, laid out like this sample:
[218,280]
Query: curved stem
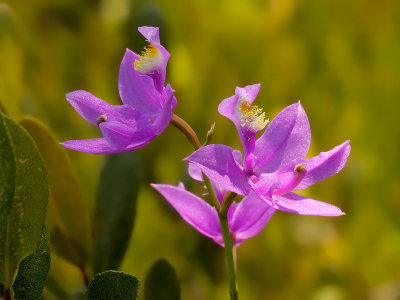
[186,130]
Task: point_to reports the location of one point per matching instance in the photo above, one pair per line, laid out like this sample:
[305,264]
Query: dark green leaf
[115,210]
[33,270]
[161,282]
[68,214]
[113,285]
[23,197]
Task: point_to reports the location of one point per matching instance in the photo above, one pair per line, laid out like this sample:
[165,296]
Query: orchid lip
[291,180]
[251,116]
[150,61]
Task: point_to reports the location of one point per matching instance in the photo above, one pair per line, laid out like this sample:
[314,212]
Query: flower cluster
[272,167]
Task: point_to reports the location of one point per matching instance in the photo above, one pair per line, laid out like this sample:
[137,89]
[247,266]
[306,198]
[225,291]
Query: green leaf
[113,285]
[115,210]
[23,197]
[33,270]
[68,215]
[161,282]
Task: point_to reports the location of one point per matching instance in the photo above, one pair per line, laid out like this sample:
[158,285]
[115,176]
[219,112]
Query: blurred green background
[340,58]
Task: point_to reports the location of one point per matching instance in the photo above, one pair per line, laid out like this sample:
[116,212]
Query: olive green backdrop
[340,58]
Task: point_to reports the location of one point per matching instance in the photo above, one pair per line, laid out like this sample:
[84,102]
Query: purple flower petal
[286,138]
[325,165]
[91,107]
[195,172]
[165,115]
[120,135]
[97,146]
[228,106]
[195,211]
[232,108]
[249,217]
[136,89]
[150,33]
[298,204]
[218,163]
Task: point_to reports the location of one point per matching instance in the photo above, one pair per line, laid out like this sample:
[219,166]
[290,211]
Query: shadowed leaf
[115,210]
[113,285]
[33,270]
[161,282]
[68,213]
[23,197]
[3,109]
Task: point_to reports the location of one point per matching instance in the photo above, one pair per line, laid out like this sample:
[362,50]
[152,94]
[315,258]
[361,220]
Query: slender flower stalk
[230,258]
[186,130]
[222,211]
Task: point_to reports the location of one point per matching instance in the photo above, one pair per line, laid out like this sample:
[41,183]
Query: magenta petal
[90,107]
[286,138]
[165,115]
[250,216]
[325,165]
[228,106]
[195,211]
[117,134]
[248,93]
[93,146]
[136,89]
[195,172]
[150,33]
[305,206]
[218,163]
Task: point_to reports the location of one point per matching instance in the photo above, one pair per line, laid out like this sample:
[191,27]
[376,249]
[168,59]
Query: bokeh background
[340,58]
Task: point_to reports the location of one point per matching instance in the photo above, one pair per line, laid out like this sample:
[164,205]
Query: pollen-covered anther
[150,60]
[252,116]
[101,119]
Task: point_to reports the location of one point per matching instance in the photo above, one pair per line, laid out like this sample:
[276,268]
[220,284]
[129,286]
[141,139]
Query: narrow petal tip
[150,33]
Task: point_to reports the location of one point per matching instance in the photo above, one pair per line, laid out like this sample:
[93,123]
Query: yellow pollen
[252,116]
[150,60]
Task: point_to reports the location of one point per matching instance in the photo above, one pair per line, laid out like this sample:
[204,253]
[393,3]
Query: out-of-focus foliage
[68,215]
[115,210]
[23,198]
[340,58]
[161,282]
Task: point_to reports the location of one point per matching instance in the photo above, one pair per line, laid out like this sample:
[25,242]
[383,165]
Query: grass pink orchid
[274,165]
[147,105]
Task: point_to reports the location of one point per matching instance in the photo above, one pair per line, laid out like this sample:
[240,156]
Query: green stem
[222,213]
[227,202]
[211,193]
[230,258]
